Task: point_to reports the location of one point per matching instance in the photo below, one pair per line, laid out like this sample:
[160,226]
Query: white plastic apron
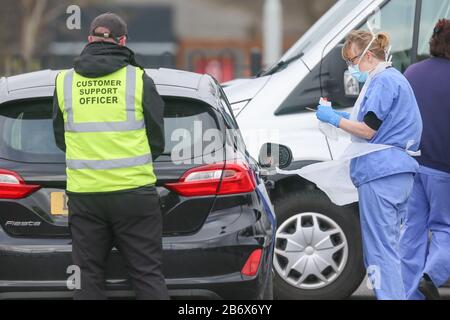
[333,177]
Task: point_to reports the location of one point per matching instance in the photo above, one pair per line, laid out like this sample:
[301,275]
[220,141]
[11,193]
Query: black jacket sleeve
[372,121]
[58,124]
[153,106]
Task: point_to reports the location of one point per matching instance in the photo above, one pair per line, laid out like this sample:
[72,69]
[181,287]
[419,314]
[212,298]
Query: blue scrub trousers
[382,207]
[428,211]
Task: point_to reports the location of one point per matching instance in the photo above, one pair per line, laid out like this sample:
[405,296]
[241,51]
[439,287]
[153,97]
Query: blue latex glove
[343,114]
[327,114]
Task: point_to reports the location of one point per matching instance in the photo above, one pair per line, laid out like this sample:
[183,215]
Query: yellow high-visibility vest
[107,146]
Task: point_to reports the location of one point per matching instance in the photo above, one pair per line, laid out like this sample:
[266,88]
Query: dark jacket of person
[430,80]
[102,58]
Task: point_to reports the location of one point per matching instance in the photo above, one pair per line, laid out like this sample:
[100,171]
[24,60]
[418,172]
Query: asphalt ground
[364,293]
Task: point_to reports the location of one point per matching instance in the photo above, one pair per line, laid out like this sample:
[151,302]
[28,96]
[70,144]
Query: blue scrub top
[392,99]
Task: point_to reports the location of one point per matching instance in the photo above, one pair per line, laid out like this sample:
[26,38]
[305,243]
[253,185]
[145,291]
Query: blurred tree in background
[25,31]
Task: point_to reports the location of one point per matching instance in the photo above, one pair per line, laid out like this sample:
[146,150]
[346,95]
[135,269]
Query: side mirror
[339,86]
[351,85]
[272,155]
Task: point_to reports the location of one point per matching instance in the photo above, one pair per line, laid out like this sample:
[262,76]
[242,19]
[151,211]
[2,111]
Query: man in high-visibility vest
[108,118]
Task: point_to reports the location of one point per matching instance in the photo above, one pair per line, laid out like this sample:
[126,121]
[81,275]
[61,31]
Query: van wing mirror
[351,85]
[272,155]
[337,83]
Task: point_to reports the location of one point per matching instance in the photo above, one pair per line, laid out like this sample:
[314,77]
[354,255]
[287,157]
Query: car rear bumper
[204,265]
[224,286]
[231,286]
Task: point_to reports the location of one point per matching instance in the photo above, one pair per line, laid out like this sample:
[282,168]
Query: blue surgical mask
[359,75]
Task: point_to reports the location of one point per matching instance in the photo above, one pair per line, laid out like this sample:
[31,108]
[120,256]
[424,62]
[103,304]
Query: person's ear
[123,41]
[90,39]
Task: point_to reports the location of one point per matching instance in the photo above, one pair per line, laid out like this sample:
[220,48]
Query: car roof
[169,82]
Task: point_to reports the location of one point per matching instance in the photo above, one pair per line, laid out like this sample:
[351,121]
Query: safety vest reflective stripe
[130,124]
[104,126]
[109,164]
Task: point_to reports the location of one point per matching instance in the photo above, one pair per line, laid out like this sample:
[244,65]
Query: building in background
[207,36]
[219,36]
[150,28]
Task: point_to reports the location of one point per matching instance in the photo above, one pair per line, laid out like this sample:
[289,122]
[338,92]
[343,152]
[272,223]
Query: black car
[218,220]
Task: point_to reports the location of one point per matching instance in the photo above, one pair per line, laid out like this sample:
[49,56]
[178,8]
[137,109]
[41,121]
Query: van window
[397,19]
[331,79]
[431,12]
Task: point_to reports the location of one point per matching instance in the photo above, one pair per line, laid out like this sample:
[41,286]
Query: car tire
[300,203]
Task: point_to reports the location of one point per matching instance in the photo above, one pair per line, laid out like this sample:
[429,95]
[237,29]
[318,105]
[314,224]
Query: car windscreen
[26,129]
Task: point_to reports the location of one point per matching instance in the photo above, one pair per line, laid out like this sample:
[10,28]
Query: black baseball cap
[111,21]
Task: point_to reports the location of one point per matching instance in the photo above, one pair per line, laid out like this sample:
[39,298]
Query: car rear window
[26,129]
[27,132]
[185,124]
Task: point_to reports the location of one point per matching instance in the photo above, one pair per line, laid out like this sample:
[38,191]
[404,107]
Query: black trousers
[132,222]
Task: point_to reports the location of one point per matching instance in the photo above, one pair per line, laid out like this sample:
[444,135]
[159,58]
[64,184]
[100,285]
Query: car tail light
[12,186]
[215,179]
[252,265]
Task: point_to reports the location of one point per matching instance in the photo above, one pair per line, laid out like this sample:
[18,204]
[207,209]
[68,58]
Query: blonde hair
[362,38]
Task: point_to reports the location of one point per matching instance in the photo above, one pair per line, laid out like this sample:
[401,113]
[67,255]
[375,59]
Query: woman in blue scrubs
[426,261]
[386,113]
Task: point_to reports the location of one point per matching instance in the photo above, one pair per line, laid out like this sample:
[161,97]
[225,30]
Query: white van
[318,249]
